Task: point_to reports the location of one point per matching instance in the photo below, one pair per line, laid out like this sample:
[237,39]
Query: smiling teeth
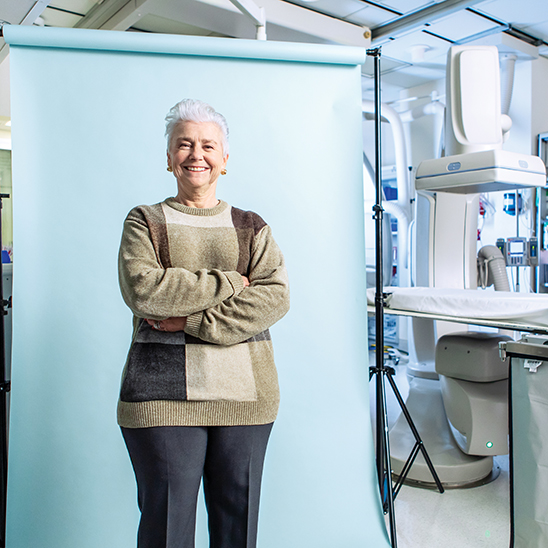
[190,168]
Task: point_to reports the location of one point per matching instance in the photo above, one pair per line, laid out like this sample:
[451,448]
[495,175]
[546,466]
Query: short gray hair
[194,110]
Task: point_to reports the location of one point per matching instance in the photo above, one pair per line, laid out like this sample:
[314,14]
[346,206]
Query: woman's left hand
[171,324]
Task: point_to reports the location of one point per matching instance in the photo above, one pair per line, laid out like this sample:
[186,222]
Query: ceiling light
[418,51]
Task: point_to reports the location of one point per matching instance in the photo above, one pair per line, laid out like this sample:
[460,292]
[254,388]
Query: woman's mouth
[196,168]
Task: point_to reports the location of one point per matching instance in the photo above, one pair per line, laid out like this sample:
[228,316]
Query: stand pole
[382,439]
[384,470]
[5,387]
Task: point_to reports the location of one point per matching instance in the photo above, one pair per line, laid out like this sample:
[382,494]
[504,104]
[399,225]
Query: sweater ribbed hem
[193,323]
[236,281]
[190,413]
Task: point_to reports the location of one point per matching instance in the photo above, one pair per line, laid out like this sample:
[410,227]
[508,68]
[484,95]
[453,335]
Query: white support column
[255,13]
[35,12]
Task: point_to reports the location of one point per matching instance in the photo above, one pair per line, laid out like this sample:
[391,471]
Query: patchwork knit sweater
[180,261]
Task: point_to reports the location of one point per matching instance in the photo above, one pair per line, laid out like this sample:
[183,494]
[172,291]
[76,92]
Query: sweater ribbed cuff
[236,281]
[193,323]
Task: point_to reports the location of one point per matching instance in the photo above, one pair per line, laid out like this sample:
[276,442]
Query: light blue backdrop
[87,128]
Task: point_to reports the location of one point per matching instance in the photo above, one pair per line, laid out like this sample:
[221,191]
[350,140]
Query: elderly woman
[199,393]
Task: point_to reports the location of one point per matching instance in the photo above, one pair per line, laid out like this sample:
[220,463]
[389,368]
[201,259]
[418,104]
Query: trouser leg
[168,462]
[232,483]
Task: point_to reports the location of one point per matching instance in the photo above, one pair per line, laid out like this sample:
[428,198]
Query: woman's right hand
[171,325]
[245,280]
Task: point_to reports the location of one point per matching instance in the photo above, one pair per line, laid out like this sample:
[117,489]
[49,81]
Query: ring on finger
[157,326]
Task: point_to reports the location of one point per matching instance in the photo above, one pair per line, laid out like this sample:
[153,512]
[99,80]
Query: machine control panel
[519,251]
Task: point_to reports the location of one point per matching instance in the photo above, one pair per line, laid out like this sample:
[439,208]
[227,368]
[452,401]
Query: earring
[169,168]
[223,171]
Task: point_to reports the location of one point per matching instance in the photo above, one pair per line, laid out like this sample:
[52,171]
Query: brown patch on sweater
[247,225]
[157,225]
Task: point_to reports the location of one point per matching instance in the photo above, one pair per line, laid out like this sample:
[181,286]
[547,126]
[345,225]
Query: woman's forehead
[198,130]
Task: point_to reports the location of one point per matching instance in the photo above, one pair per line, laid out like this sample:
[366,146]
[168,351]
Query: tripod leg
[406,468]
[384,470]
[416,434]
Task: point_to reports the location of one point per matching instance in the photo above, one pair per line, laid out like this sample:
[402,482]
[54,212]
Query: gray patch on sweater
[264,336]
[147,334]
[155,372]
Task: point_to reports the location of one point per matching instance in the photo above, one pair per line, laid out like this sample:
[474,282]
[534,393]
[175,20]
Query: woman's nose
[196,153]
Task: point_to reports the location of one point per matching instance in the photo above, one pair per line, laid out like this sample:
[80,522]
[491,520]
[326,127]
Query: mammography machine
[463,416]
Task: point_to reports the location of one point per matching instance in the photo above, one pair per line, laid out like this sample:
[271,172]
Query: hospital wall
[423,134]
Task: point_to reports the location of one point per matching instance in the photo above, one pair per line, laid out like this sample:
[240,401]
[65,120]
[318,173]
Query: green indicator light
[489,444]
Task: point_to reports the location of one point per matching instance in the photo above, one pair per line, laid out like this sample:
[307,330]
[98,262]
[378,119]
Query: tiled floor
[458,518]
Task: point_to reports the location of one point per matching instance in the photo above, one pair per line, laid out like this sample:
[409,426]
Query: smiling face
[196,157]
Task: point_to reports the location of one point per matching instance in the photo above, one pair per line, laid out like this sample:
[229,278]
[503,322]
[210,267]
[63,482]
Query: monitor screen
[516,247]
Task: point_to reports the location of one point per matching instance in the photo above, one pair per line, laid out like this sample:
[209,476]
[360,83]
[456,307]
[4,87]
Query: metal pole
[517,197]
[384,472]
[4,389]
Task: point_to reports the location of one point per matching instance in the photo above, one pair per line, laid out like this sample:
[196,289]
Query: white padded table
[501,309]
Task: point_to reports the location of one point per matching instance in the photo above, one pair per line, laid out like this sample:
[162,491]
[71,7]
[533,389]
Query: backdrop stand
[5,386]
[380,370]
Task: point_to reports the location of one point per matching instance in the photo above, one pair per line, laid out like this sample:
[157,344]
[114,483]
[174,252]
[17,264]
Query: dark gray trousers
[169,464]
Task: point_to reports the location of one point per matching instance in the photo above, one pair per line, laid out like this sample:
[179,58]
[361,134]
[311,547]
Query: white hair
[193,110]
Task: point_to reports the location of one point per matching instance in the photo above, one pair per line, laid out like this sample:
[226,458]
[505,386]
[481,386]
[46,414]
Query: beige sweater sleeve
[158,293]
[256,308]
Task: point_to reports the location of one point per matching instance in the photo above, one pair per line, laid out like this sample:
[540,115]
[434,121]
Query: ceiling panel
[461,25]
[55,18]
[339,8]
[353,11]
[154,23]
[417,47]
[406,6]
[77,6]
[371,17]
[530,16]
[524,12]
[538,30]
[14,12]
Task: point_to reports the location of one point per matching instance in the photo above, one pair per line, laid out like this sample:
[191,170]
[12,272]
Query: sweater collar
[204,212]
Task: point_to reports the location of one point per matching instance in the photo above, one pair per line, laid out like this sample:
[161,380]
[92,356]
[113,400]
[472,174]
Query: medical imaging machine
[463,415]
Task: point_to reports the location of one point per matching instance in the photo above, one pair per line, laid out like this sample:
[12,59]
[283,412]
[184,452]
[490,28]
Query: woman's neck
[205,201]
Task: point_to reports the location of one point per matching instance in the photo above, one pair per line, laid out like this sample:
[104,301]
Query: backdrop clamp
[2,23]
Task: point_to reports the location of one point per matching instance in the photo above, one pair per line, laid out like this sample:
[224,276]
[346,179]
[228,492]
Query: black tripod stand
[380,370]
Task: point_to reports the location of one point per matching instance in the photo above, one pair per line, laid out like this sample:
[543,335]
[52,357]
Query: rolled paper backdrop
[88,112]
